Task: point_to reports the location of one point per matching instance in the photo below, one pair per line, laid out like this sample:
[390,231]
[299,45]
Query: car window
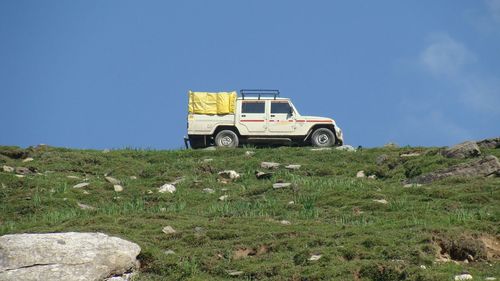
[253,107]
[280,107]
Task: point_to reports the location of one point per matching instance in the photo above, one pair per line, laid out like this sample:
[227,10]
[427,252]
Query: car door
[253,116]
[281,119]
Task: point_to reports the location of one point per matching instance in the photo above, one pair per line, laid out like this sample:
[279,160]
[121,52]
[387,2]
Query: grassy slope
[334,213]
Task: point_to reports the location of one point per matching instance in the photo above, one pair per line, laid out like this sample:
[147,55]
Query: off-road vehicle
[225,119]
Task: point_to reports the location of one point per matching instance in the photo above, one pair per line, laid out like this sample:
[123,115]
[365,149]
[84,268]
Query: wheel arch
[319,126]
[226,127]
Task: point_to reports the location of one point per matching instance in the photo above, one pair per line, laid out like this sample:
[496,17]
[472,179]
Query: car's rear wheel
[323,137]
[226,138]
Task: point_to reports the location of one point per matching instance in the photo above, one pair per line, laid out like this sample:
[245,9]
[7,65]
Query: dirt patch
[467,248]
[241,253]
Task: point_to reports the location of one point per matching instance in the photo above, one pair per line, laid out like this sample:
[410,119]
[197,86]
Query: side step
[269,140]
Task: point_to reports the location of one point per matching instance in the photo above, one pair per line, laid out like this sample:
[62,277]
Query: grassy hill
[261,233]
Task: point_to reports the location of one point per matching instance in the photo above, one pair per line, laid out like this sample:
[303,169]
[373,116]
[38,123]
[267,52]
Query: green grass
[333,213]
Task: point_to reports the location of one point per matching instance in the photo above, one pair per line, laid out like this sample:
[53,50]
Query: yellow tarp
[212,103]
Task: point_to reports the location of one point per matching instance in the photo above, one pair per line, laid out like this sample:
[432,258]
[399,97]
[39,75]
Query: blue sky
[114,74]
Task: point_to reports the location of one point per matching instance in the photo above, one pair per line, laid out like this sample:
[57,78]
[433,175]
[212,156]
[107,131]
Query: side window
[253,107]
[280,107]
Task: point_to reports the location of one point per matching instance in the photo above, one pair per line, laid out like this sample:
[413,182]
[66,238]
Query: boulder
[269,165]
[65,256]
[168,230]
[489,143]
[8,169]
[463,150]
[81,185]
[118,188]
[29,159]
[229,175]
[486,166]
[293,167]
[112,180]
[23,171]
[262,175]
[361,174]
[346,148]
[170,188]
[13,152]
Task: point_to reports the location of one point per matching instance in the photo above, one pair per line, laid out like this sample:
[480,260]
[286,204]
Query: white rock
[361,174]
[269,165]
[314,257]
[86,192]
[65,256]
[382,201]
[118,188]
[168,230]
[170,188]
[249,153]
[29,159]
[463,277]
[279,185]
[223,197]
[292,167]
[210,148]
[490,278]
[85,207]
[234,272]
[372,177]
[133,177]
[423,266]
[291,202]
[412,185]
[346,148]
[229,175]
[149,191]
[112,180]
[73,177]
[3,185]
[81,185]
[8,169]
[20,176]
[169,252]
[285,222]
[321,148]
[208,190]
[163,209]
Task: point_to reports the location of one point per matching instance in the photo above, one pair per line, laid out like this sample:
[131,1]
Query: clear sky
[115,74]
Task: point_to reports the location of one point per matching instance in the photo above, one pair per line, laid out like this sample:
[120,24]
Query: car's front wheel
[226,138]
[323,137]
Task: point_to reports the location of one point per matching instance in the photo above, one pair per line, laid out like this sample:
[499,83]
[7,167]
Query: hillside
[327,225]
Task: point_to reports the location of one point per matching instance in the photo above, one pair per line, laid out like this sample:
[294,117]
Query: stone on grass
[314,257]
[73,177]
[29,159]
[285,222]
[20,176]
[234,272]
[118,188]
[133,177]
[321,148]
[346,148]
[269,165]
[361,174]
[65,256]
[279,185]
[249,153]
[464,276]
[293,167]
[81,185]
[412,185]
[168,230]
[208,190]
[466,149]
[262,175]
[169,252]
[381,201]
[85,207]
[412,154]
[372,177]
[229,175]
[112,180]
[8,169]
[223,197]
[23,171]
[170,188]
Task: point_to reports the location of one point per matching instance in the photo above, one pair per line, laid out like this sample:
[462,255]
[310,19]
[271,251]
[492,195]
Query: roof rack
[259,93]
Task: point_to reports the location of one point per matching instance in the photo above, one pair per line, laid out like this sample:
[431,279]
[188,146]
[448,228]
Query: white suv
[261,116]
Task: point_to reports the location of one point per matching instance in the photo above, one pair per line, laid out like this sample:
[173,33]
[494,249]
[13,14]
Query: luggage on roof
[212,103]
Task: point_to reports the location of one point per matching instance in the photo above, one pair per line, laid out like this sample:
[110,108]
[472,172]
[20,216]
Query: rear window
[280,107]
[253,107]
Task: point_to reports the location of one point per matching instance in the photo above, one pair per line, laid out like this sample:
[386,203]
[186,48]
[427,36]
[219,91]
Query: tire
[226,138]
[323,137]
[197,142]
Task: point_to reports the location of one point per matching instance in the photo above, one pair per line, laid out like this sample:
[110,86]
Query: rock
[314,257]
[372,177]
[85,207]
[169,252]
[13,152]
[112,180]
[412,185]
[269,165]
[81,185]
[391,145]
[73,177]
[208,160]
[346,148]
[249,153]
[8,169]
[234,272]
[208,190]
[118,188]
[22,171]
[149,191]
[381,159]
[65,256]
[133,177]
[489,143]
[262,175]
[464,276]
[210,148]
[361,174]
[124,277]
[20,176]
[285,222]
[3,185]
[490,278]
[487,166]
[229,175]
[293,167]
[466,149]
[321,148]
[223,197]
[291,202]
[407,155]
[168,230]
[381,201]
[279,185]
[170,188]
[199,229]
[86,192]
[29,159]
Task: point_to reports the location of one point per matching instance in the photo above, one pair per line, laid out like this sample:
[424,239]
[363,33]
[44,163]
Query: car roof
[262,98]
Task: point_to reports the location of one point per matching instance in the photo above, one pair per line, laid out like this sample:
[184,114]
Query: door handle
[272,115]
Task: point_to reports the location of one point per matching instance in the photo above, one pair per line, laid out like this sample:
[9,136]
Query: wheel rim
[323,139]
[226,141]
